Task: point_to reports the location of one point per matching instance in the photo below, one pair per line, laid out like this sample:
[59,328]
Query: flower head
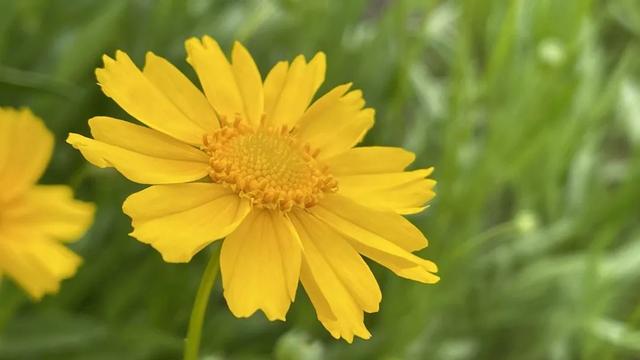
[35,219]
[276,175]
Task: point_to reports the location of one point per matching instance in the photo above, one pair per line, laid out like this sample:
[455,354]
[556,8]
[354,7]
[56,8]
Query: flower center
[268,166]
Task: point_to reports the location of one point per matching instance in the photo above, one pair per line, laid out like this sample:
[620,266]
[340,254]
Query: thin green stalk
[194,334]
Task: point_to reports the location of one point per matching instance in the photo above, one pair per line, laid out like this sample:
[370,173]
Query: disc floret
[267,165]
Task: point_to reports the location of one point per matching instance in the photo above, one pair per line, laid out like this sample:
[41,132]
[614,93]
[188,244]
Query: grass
[528,109]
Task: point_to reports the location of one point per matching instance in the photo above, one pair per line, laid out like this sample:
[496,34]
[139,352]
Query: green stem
[196,321]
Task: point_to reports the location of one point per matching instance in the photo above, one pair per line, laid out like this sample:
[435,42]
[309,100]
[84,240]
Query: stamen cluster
[267,165]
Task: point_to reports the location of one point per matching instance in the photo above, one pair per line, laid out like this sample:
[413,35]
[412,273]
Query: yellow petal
[55,258]
[25,150]
[49,210]
[216,77]
[139,153]
[336,122]
[402,263]
[288,99]
[370,160]
[31,277]
[273,84]
[339,284]
[260,265]
[347,265]
[387,225]
[181,91]
[402,192]
[249,82]
[37,265]
[386,238]
[343,260]
[137,94]
[180,220]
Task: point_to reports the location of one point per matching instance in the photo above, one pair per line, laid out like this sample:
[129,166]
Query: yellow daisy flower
[35,219]
[277,175]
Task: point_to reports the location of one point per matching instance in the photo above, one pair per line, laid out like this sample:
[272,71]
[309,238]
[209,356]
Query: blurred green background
[528,109]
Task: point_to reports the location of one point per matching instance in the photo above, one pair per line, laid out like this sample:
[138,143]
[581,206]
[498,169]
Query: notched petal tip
[320,55]
[275,317]
[369,112]
[70,138]
[149,56]
[247,313]
[101,74]
[191,43]
[299,59]
[210,43]
[424,272]
[436,279]
[340,90]
[347,334]
[107,60]
[123,59]
[429,171]
[411,156]
[238,46]
[430,266]
[173,258]
[320,58]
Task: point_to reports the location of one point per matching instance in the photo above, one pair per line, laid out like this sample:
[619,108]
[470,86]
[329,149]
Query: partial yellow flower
[277,175]
[35,220]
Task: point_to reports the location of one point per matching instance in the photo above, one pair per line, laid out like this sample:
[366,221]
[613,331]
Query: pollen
[267,165]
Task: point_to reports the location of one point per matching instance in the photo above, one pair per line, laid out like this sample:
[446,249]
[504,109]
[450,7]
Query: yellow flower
[35,219]
[277,175]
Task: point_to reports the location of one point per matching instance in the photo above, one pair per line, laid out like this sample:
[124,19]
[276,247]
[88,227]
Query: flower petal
[180,220]
[249,82]
[387,225]
[287,99]
[55,258]
[216,76]
[337,280]
[137,94]
[25,150]
[386,238]
[343,260]
[139,153]
[260,265]
[336,122]
[370,160]
[401,262]
[401,192]
[49,210]
[273,84]
[181,91]
[37,265]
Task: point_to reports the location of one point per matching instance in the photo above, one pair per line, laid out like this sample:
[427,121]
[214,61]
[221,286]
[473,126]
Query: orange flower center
[268,166]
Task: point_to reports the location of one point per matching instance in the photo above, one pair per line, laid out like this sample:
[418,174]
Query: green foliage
[529,109]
